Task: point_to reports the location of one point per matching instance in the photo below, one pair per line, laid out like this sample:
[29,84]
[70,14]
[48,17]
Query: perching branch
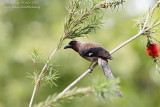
[102,89]
[74,82]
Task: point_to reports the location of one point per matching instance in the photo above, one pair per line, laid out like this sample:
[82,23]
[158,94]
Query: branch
[39,77]
[132,38]
[150,14]
[37,80]
[74,82]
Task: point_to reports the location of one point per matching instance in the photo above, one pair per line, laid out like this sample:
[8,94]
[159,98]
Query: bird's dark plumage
[94,53]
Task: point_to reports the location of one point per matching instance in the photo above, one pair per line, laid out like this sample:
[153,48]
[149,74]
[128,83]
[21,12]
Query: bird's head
[74,44]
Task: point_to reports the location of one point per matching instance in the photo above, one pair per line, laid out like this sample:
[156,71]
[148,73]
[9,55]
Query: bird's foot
[91,69]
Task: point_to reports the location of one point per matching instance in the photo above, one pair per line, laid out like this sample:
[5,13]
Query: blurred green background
[22,30]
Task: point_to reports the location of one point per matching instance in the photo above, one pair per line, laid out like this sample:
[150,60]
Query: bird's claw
[91,69]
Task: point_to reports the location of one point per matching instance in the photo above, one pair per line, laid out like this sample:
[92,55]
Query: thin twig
[74,82]
[150,14]
[155,39]
[39,77]
[132,38]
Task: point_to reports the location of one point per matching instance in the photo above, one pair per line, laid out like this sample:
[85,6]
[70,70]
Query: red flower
[153,50]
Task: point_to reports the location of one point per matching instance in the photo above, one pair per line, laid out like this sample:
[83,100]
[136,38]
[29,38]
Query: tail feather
[108,73]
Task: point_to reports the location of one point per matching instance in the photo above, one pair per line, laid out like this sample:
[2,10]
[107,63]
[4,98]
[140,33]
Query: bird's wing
[108,73]
[95,52]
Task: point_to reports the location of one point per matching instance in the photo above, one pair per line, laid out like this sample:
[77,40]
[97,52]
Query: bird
[94,52]
[89,51]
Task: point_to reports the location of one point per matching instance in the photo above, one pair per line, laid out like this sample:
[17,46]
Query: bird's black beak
[68,46]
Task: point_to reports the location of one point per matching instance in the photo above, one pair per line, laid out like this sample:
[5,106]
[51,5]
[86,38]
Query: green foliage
[35,56]
[50,74]
[85,16]
[104,89]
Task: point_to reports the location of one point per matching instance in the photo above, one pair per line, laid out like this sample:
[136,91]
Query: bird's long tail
[108,73]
